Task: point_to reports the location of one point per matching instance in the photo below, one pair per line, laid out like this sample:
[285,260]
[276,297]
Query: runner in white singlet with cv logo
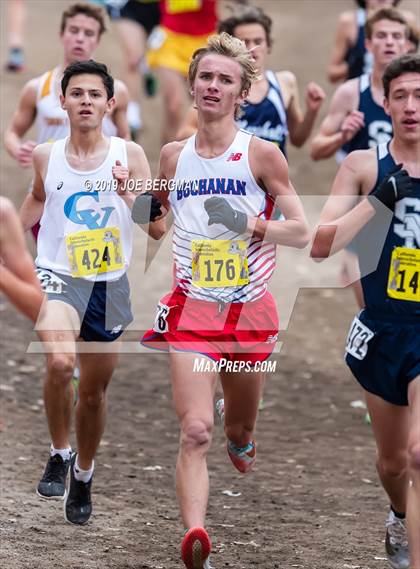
[84,249]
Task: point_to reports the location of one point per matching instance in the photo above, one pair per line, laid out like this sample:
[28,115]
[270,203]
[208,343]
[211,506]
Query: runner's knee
[196,433]
[393,467]
[133,60]
[174,113]
[61,366]
[174,105]
[92,398]
[414,457]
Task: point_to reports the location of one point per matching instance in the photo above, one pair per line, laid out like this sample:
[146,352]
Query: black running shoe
[150,84]
[16,61]
[77,503]
[52,485]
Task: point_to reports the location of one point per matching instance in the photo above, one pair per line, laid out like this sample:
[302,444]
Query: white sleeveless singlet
[74,215]
[228,176]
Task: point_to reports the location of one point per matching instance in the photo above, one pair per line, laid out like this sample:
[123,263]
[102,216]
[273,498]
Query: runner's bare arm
[300,125]
[189,126]
[22,120]
[18,280]
[167,167]
[338,68]
[119,116]
[342,216]
[33,206]
[341,123]
[270,170]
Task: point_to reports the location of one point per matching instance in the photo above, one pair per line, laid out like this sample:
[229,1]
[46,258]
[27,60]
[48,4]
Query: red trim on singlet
[269,207]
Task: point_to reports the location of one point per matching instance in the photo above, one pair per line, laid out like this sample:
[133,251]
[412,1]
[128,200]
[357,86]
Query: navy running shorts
[103,307]
[383,353]
[146,14]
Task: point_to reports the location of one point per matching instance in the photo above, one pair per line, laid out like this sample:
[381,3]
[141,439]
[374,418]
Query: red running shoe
[242,458]
[195,549]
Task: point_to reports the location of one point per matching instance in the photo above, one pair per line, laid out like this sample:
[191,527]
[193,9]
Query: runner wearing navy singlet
[387,33]
[268,118]
[378,125]
[383,344]
[272,109]
[356,119]
[350,58]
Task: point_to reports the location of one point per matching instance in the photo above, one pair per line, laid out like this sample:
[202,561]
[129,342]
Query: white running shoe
[220,410]
[396,542]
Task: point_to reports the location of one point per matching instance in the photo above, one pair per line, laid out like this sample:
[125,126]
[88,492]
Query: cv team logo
[89,217]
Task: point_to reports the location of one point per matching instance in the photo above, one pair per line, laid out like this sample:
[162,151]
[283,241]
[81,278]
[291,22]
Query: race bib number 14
[404,280]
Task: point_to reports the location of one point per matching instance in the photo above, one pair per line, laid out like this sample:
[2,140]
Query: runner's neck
[86,144]
[214,138]
[377,86]
[408,154]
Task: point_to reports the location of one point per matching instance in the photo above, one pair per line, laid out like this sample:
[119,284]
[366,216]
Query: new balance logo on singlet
[234,157]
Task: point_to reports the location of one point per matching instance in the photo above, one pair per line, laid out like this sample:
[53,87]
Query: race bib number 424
[94,251]
[404,280]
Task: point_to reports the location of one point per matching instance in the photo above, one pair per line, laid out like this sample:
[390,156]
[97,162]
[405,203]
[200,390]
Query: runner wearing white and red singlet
[226,181]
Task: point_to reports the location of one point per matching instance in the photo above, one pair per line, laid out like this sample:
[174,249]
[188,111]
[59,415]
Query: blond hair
[235,49]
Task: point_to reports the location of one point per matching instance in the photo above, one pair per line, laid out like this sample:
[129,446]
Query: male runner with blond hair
[224,250]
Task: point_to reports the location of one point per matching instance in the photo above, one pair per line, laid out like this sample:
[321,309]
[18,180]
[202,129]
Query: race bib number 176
[219,263]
